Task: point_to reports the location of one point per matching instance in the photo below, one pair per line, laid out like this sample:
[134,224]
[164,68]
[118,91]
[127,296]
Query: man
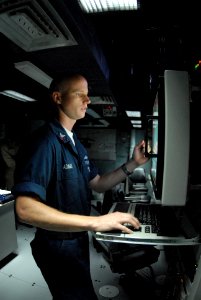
[54,178]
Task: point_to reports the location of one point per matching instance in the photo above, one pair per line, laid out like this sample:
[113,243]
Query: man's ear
[56,97]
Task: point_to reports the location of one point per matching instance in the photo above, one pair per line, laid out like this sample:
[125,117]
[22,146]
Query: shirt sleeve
[34,169]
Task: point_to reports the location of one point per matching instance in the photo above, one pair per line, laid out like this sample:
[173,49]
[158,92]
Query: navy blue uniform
[52,168]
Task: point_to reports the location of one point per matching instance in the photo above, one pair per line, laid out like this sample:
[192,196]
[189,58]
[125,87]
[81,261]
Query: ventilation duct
[33,25]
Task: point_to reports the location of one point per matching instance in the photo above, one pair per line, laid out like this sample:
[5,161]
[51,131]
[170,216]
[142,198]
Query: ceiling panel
[122,54]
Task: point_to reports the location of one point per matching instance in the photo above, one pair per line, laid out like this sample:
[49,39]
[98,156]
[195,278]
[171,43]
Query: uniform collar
[60,131]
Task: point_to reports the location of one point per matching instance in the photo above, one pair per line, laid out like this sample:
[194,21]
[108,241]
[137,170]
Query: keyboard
[162,219]
[160,225]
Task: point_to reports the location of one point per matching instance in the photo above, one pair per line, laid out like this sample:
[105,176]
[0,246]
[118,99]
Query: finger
[134,222]
[125,229]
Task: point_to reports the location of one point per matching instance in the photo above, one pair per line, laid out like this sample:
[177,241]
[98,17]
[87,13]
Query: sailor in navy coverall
[53,182]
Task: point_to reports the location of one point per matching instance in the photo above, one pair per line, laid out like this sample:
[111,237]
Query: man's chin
[81,116]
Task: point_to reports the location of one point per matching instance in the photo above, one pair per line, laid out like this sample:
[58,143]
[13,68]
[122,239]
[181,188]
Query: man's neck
[65,121]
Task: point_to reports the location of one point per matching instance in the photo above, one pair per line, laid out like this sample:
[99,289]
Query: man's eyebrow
[79,91]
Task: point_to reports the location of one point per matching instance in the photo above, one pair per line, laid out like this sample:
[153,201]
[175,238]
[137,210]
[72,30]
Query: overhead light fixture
[131,113]
[93,114]
[136,121]
[33,72]
[17,96]
[96,6]
[104,122]
[137,126]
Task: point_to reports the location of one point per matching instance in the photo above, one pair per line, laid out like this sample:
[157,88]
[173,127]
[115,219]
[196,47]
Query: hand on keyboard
[115,221]
[129,226]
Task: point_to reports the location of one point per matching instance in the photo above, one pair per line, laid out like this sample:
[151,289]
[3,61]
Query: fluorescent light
[137,126]
[17,96]
[136,121]
[94,6]
[104,122]
[33,72]
[93,114]
[131,113]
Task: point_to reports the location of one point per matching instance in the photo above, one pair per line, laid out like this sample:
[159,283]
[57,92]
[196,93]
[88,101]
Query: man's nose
[87,100]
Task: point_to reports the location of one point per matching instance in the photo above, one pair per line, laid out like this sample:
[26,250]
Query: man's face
[74,98]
